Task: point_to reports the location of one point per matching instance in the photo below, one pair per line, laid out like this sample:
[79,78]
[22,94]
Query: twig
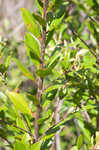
[93,20]
[86,116]
[75,33]
[53,146]
[57,118]
[6,141]
[55,124]
[91,50]
[11,124]
[63,73]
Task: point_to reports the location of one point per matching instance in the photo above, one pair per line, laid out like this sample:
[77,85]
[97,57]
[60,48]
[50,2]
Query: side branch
[21,129]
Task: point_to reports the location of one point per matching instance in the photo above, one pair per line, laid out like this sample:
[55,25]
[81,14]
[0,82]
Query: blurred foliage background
[12,31]
[79,31]
[11,24]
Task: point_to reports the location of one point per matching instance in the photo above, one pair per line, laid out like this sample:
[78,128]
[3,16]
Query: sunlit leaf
[80,142]
[53,87]
[33,48]
[20,123]
[36,146]
[40,6]
[44,72]
[33,43]
[97,138]
[19,146]
[30,22]
[55,23]
[74,148]
[85,131]
[53,60]
[49,37]
[51,131]
[4,108]
[39,19]
[19,102]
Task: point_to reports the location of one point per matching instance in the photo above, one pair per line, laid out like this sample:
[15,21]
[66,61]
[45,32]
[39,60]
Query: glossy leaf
[36,146]
[3,97]
[80,142]
[45,116]
[55,23]
[97,137]
[49,37]
[20,123]
[33,98]
[53,60]
[19,102]
[19,146]
[85,131]
[39,19]
[3,107]
[44,72]
[53,87]
[74,148]
[33,43]
[33,47]
[40,6]
[52,130]
[30,22]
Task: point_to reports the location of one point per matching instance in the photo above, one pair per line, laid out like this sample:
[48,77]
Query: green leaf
[97,137]
[53,87]
[39,19]
[36,146]
[45,116]
[33,98]
[90,2]
[33,43]
[51,131]
[66,62]
[34,56]
[25,141]
[19,102]
[20,123]
[85,131]
[40,6]
[89,60]
[53,60]
[3,97]
[74,148]
[55,23]
[30,22]
[49,37]
[43,72]
[19,146]
[4,108]
[24,70]
[33,47]
[80,142]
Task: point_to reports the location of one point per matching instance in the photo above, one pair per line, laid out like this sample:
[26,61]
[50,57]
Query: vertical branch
[57,119]
[40,80]
[44,32]
[56,142]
